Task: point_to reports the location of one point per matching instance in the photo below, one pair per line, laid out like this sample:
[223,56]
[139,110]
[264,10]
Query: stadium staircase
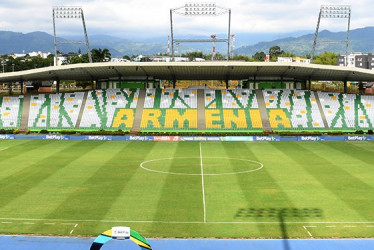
[263,111]
[25,112]
[321,110]
[81,110]
[200,109]
[139,112]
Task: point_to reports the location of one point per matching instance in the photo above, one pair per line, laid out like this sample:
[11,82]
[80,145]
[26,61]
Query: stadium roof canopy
[191,71]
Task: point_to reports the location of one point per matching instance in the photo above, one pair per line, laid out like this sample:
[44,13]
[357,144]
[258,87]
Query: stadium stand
[348,111]
[10,112]
[110,109]
[171,109]
[232,110]
[54,111]
[176,110]
[292,109]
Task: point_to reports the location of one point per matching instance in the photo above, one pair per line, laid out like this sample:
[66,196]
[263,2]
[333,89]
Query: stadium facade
[154,109]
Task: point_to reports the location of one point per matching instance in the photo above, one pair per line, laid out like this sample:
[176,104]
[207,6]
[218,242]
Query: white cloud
[147,18]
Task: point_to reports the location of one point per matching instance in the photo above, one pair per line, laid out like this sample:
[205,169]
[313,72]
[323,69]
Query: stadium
[237,162]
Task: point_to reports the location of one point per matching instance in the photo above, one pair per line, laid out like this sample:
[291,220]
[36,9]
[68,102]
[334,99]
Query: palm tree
[101,55]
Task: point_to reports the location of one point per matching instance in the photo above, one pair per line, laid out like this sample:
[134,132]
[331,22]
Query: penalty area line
[309,233]
[71,232]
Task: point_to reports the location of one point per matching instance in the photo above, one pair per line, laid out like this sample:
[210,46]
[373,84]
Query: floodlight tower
[200,9]
[214,37]
[337,12]
[168,51]
[69,12]
[232,46]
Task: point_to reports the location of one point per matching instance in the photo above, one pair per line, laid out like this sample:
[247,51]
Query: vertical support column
[281,81]
[361,89]
[347,42]
[228,37]
[316,36]
[86,37]
[246,86]
[22,84]
[227,83]
[10,88]
[345,86]
[172,35]
[54,38]
[174,82]
[254,82]
[310,84]
[58,86]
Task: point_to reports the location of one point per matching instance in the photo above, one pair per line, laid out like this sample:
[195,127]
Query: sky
[151,18]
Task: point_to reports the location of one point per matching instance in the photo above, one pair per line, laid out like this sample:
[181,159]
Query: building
[358,60]
[293,59]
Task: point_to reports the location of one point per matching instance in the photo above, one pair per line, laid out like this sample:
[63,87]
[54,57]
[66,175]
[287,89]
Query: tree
[326,58]
[274,53]
[126,57]
[219,57]
[101,55]
[287,54]
[78,59]
[192,55]
[242,58]
[259,56]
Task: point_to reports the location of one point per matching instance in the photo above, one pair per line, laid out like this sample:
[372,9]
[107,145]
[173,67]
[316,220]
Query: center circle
[213,166]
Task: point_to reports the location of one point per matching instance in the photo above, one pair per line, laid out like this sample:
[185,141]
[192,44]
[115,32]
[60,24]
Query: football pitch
[188,189]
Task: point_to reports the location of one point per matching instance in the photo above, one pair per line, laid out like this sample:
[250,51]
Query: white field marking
[369,226]
[2,149]
[71,232]
[202,181]
[72,222]
[49,223]
[6,222]
[29,223]
[350,226]
[175,173]
[67,223]
[309,233]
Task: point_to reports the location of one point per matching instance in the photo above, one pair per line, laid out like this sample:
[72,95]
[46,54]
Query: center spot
[192,166]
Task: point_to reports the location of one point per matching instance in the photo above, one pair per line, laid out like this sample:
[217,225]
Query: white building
[293,59]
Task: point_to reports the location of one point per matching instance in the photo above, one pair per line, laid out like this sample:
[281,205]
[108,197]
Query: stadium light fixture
[333,11]
[68,12]
[336,12]
[197,9]
[200,9]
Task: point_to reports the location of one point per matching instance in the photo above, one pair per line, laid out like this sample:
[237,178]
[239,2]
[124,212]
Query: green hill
[361,40]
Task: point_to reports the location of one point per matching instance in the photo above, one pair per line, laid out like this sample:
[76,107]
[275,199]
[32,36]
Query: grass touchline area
[47,187]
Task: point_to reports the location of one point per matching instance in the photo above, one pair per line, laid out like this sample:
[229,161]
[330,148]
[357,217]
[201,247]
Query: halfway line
[202,181]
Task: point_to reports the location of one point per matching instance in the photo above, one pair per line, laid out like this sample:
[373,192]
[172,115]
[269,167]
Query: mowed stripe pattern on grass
[87,180]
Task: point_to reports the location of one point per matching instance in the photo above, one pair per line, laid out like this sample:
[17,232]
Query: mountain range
[360,40]
[300,43]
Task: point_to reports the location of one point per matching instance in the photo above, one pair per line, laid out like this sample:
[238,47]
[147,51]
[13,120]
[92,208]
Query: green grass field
[248,190]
